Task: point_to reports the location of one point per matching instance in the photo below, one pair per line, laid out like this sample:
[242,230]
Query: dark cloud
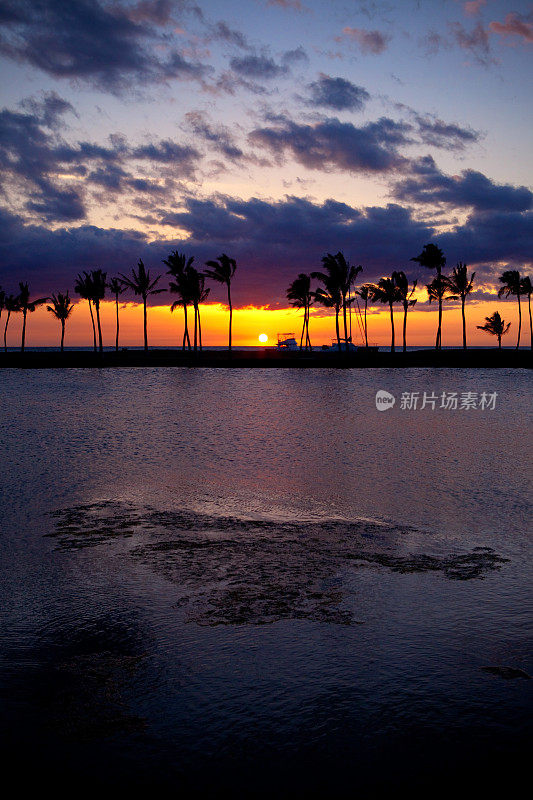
[374,42]
[272,241]
[221,31]
[337,93]
[260,67]
[218,136]
[445,135]
[471,189]
[334,144]
[111,46]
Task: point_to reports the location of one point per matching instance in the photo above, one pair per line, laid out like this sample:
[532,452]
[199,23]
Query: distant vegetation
[336,289]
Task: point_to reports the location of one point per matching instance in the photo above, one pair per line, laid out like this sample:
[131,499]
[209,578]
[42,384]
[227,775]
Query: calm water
[254,578]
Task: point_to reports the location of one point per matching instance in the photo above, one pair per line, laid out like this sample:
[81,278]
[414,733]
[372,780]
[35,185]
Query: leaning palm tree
[2,301]
[460,284]
[11,305]
[178,265]
[512,286]
[330,297]
[405,295]
[198,295]
[116,287]
[386,291]
[365,293]
[299,295]
[142,285]
[526,288]
[83,287]
[339,276]
[436,291]
[222,271]
[496,326]
[26,305]
[61,308]
[432,257]
[98,283]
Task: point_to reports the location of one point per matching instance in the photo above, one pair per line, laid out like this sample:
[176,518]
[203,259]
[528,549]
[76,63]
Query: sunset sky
[273,130]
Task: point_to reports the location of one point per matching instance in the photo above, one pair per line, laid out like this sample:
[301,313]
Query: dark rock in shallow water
[508,673]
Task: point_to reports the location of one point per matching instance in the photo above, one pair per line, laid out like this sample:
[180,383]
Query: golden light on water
[263,337]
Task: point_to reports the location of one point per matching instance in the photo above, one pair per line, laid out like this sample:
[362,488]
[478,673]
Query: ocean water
[254,579]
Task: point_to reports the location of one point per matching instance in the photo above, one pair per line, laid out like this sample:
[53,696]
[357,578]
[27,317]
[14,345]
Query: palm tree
[178,266]
[495,325]
[83,287]
[339,276]
[330,297]
[11,305]
[2,301]
[512,285]
[26,305]
[222,271]
[365,293]
[436,291]
[432,257]
[98,284]
[61,308]
[386,291]
[460,284]
[116,287]
[198,295]
[405,294]
[526,288]
[142,285]
[300,295]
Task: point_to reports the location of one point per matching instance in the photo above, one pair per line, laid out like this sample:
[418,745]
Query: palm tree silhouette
[299,295]
[26,305]
[512,286]
[222,271]
[98,284]
[436,291]
[61,308]
[83,287]
[405,294]
[432,257]
[330,297]
[116,287]
[2,301]
[527,288]
[339,277]
[460,284]
[178,265]
[142,285]
[495,325]
[11,305]
[198,295]
[365,293]
[386,291]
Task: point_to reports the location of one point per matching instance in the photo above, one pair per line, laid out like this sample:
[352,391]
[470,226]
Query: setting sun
[263,337]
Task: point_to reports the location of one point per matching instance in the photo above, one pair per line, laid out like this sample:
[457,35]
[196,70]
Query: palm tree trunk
[392,329]
[23,342]
[199,330]
[186,337]
[464,321]
[100,344]
[345,323]
[62,333]
[116,339]
[519,320]
[337,328]
[366,329]
[145,325]
[92,320]
[308,339]
[530,323]
[5,331]
[499,341]
[195,328]
[230,315]
[438,343]
[303,331]
[405,328]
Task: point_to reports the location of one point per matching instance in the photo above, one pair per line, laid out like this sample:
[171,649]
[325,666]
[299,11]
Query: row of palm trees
[338,280]
[336,290]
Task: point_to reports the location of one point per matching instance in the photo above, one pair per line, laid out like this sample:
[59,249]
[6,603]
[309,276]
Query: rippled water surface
[253,578]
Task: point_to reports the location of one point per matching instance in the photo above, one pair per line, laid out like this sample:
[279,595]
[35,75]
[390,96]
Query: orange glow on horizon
[166,329]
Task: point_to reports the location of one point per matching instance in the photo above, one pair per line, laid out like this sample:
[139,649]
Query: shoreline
[268,359]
